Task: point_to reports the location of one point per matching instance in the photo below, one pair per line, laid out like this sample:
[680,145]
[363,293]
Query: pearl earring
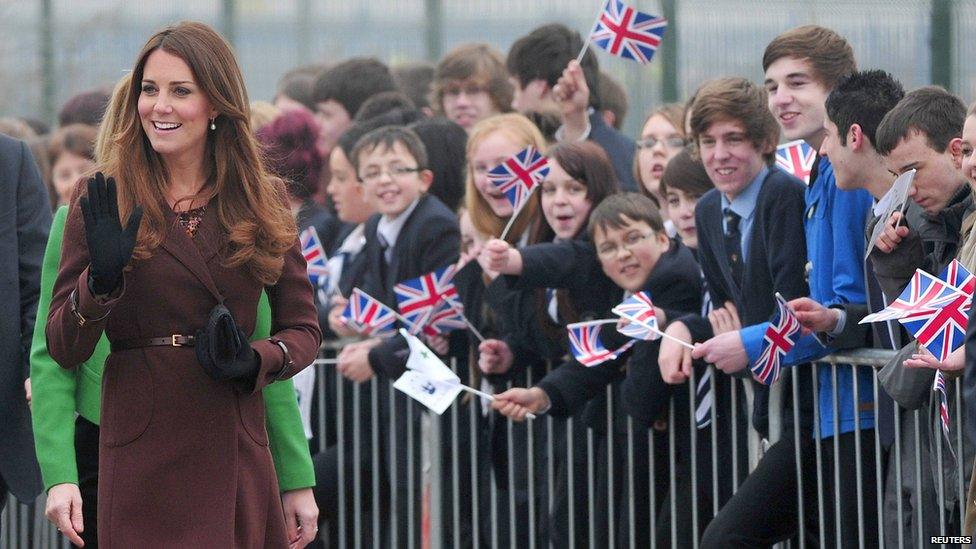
[213,126]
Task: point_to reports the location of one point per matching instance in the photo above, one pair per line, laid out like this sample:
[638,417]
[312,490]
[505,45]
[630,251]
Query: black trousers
[764,510]
[86,454]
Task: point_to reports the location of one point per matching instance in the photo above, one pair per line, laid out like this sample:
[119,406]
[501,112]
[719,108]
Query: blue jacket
[834,224]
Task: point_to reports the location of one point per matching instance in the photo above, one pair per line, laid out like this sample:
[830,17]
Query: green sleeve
[289,447]
[53,401]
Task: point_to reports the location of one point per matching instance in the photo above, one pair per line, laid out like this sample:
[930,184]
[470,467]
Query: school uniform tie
[733,244]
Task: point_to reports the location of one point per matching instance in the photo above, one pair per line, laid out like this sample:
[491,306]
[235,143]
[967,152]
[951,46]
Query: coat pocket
[251,410]
[128,399]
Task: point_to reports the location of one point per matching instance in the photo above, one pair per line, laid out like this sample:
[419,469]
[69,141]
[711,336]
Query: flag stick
[662,334]
[471,327]
[589,33]
[604,321]
[511,220]
[488,397]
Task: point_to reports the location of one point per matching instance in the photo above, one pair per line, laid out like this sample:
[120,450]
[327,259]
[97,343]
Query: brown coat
[184,459]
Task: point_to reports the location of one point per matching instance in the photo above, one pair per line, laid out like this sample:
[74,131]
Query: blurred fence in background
[52,49]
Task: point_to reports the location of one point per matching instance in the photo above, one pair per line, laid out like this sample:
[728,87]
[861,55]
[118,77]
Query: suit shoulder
[779,181]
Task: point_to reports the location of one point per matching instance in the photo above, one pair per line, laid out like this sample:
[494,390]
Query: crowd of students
[391,168]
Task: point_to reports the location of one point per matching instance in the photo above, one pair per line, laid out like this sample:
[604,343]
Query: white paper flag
[895,200]
[432,393]
[425,361]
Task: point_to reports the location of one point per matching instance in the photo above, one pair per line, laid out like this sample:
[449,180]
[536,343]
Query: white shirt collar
[389,229]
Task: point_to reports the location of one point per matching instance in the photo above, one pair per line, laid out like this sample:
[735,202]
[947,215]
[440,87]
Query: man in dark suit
[25,226]
[536,63]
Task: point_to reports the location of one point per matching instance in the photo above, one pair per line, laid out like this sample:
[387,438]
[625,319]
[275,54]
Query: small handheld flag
[367,316]
[315,259]
[923,292]
[625,32]
[940,387]
[779,339]
[584,342]
[517,177]
[797,159]
[418,298]
[639,310]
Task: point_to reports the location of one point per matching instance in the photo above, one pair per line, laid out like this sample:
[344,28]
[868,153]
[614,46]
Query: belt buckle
[174,342]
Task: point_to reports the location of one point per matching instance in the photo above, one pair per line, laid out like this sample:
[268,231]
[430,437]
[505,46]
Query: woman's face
[658,144]
[66,171]
[564,202]
[174,111]
[492,150]
[345,189]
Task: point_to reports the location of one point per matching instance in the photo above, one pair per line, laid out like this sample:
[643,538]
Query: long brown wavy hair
[250,204]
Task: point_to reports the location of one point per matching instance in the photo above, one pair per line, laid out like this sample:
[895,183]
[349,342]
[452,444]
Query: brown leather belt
[175,340]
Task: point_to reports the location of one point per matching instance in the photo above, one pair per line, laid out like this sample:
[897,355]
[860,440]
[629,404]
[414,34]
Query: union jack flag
[940,387]
[367,316]
[445,318]
[584,341]
[625,32]
[418,298]
[796,158]
[958,276]
[941,328]
[779,339]
[518,176]
[923,293]
[315,259]
[639,310]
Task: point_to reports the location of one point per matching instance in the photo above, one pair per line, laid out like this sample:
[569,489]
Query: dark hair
[84,108]
[385,138]
[40,127]
[290,151]
[414,79]
[829,54]
[863,98]
[445,143]
[479,62]
[686,173]
[544,54]
[614,99]
[298,83]
[347,141]
[737,99]
[383,103]
[548,123]
[352,82]
[77,139]
[632,206]
[929,110]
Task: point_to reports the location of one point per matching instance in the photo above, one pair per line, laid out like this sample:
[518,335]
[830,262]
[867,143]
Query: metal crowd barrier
[470,478]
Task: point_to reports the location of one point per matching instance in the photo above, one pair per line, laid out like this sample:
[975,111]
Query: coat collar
[194,253]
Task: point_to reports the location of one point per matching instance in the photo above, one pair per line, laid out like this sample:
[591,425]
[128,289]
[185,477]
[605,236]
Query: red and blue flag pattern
[796,158]
[418,298]
[367,316]
[625,32]
[779,339]
[639,310]
[517,176]
[924,292]
[584,342]
[316,261]
[941,328]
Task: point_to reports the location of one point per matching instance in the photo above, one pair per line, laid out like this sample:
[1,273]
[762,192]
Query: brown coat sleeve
[69,342]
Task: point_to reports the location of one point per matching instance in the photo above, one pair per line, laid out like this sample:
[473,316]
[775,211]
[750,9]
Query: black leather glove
[224,351]
[109,245]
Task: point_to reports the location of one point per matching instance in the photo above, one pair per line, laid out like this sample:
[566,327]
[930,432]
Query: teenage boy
[471,84]
[634,254]
[922,132]
[536,62]
[411,234]
[340,90]
[750,245]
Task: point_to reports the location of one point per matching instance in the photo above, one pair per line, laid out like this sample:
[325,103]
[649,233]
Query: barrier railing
[404,477]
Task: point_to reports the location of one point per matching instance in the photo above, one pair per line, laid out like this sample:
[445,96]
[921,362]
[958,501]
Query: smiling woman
[170,264]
